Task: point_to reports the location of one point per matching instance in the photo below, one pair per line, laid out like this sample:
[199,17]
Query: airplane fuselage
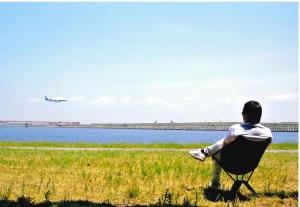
[54,100]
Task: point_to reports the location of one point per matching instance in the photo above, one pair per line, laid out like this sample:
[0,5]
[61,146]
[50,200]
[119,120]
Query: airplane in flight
[54,100]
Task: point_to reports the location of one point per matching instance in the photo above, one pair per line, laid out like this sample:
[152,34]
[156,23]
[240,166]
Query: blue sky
[141,62]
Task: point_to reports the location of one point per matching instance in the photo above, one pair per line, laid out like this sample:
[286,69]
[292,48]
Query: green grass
[135,177]
[126,145]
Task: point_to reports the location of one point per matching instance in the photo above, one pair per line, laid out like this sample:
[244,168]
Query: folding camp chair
[240,158]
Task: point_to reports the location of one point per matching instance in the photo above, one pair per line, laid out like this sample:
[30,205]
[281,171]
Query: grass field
[126,145]
[89,178]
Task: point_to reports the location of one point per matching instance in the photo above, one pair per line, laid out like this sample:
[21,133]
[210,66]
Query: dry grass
[136,177]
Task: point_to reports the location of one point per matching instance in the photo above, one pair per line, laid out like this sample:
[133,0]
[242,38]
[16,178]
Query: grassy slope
[135,177]
[125,145]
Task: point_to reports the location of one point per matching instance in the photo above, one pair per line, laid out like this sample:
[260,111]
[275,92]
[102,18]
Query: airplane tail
[46,98]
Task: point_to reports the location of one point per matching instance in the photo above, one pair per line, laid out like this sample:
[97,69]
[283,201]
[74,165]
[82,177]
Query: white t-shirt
[255,132]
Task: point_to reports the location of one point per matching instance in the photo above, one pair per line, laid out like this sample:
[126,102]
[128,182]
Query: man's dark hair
[253,110]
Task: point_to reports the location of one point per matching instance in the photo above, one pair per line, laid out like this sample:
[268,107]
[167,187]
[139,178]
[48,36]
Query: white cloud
[226,100]
[77,98]
[126,99]
[153,101]
[163,103]
[243,99]
[173,105]
[103,100]
[190,99]
[59,97]
[282,97]
[157,102]
[238,99]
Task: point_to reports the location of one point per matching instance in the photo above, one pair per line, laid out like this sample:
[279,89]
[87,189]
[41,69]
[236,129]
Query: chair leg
[235,187]
[250,188]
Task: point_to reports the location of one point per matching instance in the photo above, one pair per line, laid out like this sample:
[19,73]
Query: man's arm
[229,139]
[230,136]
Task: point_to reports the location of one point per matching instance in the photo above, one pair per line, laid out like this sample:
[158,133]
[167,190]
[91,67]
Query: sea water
[94,135]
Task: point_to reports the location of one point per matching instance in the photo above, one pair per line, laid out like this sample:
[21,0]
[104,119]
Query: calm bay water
[92,135]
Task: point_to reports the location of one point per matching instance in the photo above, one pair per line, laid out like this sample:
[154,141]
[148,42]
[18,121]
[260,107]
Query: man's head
[252,112]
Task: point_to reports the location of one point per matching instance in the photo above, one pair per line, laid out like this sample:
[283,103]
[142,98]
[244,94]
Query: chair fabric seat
[242,155]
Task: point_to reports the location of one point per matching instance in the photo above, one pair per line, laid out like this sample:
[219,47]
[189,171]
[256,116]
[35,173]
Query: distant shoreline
[204,126]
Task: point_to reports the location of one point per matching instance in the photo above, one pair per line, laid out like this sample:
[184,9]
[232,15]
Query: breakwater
[205,126]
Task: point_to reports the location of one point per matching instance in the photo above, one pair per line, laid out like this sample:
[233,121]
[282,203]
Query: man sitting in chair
[251,129]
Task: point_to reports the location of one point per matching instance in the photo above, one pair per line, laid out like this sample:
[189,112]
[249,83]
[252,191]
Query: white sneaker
[198,154]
